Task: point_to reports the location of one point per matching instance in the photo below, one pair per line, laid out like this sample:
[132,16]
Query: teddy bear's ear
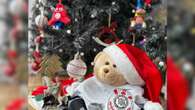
[97,56]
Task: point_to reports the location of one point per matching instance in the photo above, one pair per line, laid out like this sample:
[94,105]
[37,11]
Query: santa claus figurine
[124,79]
[60,16]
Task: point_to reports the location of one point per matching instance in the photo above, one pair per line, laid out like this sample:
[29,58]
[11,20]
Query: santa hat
[137,68]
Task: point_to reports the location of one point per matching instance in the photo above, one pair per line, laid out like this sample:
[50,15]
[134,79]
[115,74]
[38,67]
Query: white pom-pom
[152,106]
[187,67]
[41,21]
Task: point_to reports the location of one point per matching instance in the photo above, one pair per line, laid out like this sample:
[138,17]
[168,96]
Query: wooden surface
[8,92]
[33,82]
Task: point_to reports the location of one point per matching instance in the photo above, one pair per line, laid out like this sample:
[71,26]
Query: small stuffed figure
[138,22]
[124,79]
[60,16]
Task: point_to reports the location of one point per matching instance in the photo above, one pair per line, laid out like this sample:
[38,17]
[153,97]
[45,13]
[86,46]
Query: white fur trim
[124,65]
[152,106]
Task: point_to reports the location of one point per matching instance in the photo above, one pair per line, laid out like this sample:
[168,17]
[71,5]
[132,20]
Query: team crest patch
[120,100]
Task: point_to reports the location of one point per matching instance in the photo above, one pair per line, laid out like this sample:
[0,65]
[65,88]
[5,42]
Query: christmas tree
[90,25]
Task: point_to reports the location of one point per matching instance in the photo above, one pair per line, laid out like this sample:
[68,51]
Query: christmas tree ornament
[35,66]
[139,4]
[58,25]
[59,17]
[38,60]
[148,3]
[12,54]
[142,42]
[41,21]
[39,39]
[16,7]
[37,54]
[17,104]
[9,70]
[107,35]
[138,22]
[77,67]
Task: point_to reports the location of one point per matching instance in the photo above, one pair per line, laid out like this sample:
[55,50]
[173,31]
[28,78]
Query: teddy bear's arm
[140,101]
[149,105]
[145,104]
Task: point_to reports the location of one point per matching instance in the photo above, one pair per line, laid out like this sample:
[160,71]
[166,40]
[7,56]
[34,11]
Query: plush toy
[60,16]
[124,79]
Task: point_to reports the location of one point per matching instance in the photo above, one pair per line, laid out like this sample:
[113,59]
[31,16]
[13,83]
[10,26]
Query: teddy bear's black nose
[106,70]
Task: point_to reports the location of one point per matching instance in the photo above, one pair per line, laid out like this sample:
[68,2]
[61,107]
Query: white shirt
[93,91]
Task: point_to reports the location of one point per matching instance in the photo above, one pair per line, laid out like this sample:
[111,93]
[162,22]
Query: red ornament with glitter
[39,40]
[12,54]
[35,66]
[37,54]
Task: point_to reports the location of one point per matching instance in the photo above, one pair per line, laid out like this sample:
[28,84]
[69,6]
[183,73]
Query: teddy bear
[124,79]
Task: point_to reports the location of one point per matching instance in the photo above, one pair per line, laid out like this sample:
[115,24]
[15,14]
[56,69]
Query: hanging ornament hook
[77,56]
[109,18]
[42,10]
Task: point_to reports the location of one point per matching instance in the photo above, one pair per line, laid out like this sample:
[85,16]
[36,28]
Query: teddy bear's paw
[152,106]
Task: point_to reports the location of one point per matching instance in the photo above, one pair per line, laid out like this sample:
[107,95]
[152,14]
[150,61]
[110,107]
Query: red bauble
[12,54]
[35,66]
[37,54]
[15,33]
[38,60]
[9,70]
[39,39]
[16,104]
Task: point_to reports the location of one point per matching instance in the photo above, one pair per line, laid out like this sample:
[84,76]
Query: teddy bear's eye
[114,66]
[107,63]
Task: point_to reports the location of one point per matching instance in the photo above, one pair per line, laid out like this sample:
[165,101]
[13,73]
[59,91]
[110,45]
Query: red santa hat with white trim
[137,68]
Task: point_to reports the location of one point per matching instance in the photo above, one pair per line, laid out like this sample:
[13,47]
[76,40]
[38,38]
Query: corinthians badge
[120,100]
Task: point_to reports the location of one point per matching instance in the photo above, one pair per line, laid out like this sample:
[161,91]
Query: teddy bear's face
[106,71]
